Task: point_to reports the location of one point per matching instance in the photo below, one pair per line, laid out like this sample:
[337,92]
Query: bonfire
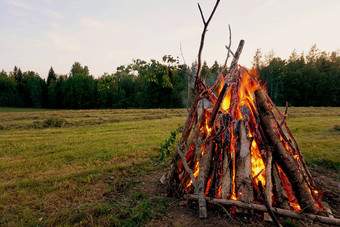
[239,151]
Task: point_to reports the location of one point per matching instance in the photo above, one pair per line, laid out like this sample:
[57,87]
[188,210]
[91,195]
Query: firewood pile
[239,152]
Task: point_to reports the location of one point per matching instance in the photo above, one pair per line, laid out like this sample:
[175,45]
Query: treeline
[138,85]
[311,80]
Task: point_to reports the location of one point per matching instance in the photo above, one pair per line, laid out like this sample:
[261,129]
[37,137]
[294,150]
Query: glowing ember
[208,186]
[219,191]
[233,197]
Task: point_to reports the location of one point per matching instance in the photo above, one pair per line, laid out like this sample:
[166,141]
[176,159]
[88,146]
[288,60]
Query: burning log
[278,190]
[283,157]
[243,177]
[226,170]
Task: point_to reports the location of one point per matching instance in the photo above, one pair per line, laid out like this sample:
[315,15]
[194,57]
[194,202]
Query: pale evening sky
[104,34]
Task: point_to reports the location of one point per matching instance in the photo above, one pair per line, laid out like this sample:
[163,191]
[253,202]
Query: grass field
[84,167]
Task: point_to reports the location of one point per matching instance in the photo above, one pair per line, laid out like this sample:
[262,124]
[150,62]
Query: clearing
[102,167]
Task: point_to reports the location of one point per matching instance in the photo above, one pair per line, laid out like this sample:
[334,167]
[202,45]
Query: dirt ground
[185,213]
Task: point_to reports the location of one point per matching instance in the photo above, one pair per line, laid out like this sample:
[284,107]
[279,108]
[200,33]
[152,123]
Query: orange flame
[257,164]
[208,186]
[289,190]
[226,101]
[197,170]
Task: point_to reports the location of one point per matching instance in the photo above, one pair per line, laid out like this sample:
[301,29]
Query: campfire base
[277,211]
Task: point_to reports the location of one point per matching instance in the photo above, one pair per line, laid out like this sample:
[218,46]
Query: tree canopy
[311,80]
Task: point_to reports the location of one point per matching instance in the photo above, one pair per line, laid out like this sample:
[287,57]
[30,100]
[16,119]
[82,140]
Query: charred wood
[284,157]
[279,192]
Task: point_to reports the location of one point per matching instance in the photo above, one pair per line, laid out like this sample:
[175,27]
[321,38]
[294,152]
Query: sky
[105,34]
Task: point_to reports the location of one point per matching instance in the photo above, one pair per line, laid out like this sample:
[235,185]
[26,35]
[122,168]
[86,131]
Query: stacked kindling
[240,149]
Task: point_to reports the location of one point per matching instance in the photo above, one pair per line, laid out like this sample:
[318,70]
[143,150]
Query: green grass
[317,132]
[63,175]
[87,170]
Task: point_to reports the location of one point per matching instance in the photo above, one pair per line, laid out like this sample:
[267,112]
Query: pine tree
[51,77]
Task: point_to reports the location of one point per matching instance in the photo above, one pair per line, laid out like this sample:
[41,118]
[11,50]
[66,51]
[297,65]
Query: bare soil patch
[185,213]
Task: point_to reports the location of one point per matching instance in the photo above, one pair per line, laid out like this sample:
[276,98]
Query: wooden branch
[185,164]
[268,206]
[284,157]
[311,181]
[206,161]
[205,28]
[229,50]
[327,210]
[258,207]
[183,141]
[297,149]
[226,171]
[244,187]
[197,90]
[192,115]
[226,85]
[268,186]
[199,186]
[199,7]
[196,129]
[180,48]
[279,192]
[285,115]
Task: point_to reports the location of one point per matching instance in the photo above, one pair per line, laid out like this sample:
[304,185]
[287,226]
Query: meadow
[86,167]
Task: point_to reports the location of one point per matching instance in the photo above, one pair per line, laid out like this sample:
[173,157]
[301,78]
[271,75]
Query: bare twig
[199,187]
[229,50]
[284,116]
[269,185]
[265,200]
[186,166]
[199,7]
[205,28]
[180,48]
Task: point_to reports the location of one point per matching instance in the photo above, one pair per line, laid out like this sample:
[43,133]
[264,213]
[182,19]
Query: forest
[301,80]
